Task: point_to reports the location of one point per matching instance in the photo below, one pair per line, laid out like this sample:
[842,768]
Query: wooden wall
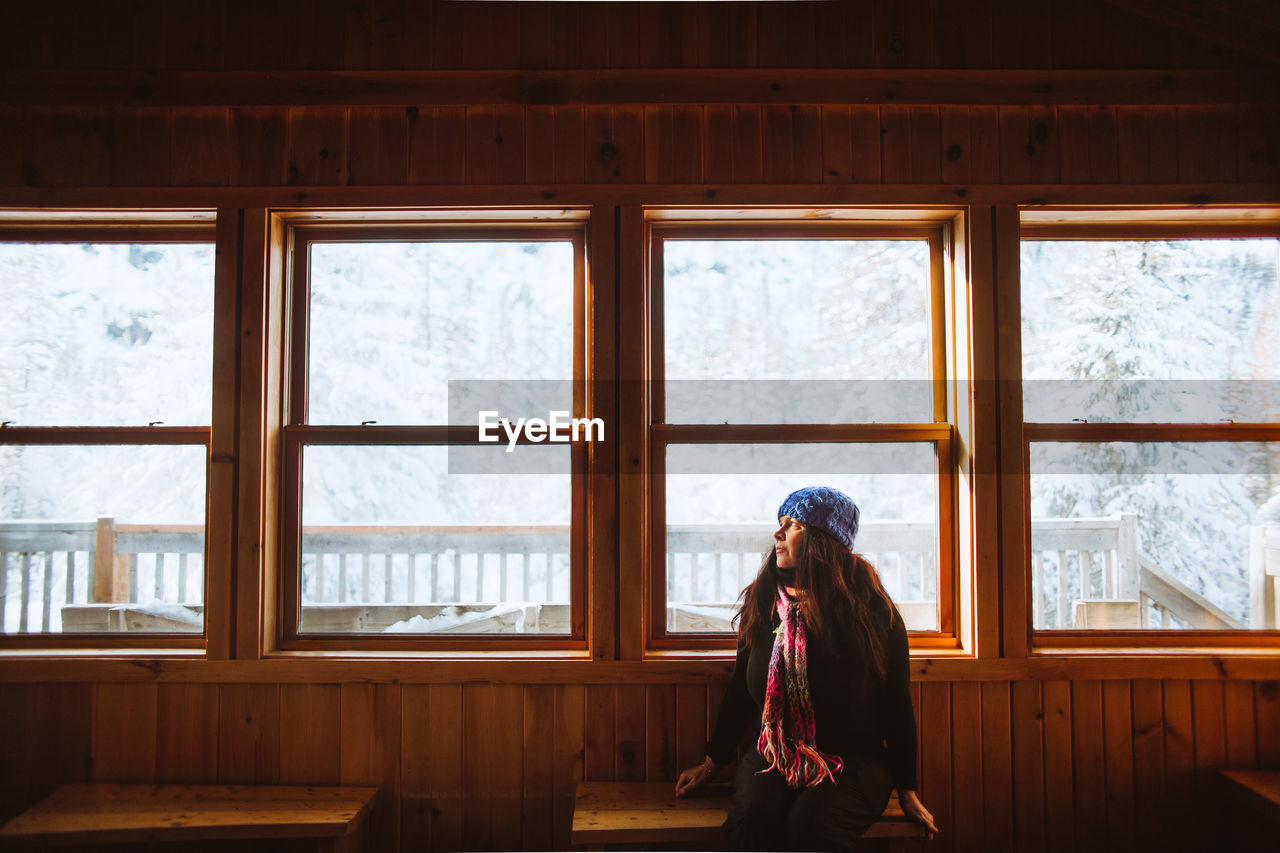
[1058,762]
[1088,765]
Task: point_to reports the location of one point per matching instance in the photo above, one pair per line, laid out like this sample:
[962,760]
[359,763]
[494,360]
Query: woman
[822,669]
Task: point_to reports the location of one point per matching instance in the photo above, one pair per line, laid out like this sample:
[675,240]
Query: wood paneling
[476,766]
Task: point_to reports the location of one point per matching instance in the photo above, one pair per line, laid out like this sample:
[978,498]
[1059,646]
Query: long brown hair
[841,594]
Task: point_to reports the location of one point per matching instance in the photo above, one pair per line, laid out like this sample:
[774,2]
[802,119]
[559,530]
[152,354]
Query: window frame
[190,227]
[296,434]
[937,229]
[1077,223]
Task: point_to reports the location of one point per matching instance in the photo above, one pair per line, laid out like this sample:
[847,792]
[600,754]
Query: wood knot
[897,43]
[609,151]
[954,153]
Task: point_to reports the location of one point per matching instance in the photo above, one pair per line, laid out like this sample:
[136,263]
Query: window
[787,354]
[1152,421]
[399,522]
[106,379]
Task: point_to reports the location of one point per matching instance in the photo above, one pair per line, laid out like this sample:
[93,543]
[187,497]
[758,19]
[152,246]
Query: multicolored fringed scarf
[788,708]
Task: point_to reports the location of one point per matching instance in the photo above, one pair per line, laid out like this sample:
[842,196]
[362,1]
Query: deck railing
[100,575]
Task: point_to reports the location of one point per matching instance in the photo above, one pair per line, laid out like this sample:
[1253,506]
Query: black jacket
[854,713]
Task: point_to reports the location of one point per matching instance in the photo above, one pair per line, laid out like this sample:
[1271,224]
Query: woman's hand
[695,777]
[914,809]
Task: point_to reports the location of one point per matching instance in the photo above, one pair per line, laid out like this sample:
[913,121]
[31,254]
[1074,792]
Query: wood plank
[691,725]
[479,787]
[984,139]
[1088,764]
[1118,735]
[806,144]
[570,141]
[259,140]
[840,41]
[124,732]
[667,36]
[539,766]
[1210,747]
[506,768]
[1132,143]
[140,144]
[1179,763]
[378,146]
[248,734]
[966,765]
[1024,85]
[777,139]
[895,144]
[837,144]
[1073,130]
[445,751]
[201,152]
[660,733]
[495,145]
[727,35]
[997,767]
[540,145]
[1267,712]
[186,733]
[1058,772]
[120,813]
[785,36]
[630,750]
[888,21]
[935,760]
[1148,752]
[418,809]
[1241,727]
[1027,718]
[717,150]
[1206,144]
[957,152]
[865,128]
[601,715]
[316,151]
[748,145]
[1103,145]
[437,145]
[1258,143]
[570,735]
[926,145]
[1021,34]
[310,734]
[1162,152]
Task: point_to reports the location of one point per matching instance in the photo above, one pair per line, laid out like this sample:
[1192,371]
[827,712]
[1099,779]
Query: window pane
[391,323]
[1128,535]
[102,539]
[720,526]
[394,543]
[796,311]
[1198,320]
[106,334]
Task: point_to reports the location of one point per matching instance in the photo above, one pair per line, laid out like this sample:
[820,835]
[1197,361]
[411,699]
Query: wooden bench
[622,814]
[1252,808]
[84,814]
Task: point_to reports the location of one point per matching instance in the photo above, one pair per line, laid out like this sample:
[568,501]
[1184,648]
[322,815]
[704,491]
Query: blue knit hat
[826,509]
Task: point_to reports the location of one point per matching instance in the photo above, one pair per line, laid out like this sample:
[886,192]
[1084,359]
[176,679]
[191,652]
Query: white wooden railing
[104,576]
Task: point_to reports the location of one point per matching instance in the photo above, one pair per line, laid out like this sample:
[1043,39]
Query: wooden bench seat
[110,814]
[1252,809]
[619,814]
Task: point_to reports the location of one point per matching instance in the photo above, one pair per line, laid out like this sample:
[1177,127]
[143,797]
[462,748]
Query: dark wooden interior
[980,105]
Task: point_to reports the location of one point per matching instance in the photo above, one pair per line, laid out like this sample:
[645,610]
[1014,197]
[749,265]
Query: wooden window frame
[148,226]
[303,230]
[1112,224]
[938,229]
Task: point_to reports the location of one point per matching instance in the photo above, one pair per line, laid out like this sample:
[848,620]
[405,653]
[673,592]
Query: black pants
[768,815]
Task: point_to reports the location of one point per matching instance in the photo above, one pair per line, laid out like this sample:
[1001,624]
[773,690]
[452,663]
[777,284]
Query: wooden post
[104,552]
[1127,557]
